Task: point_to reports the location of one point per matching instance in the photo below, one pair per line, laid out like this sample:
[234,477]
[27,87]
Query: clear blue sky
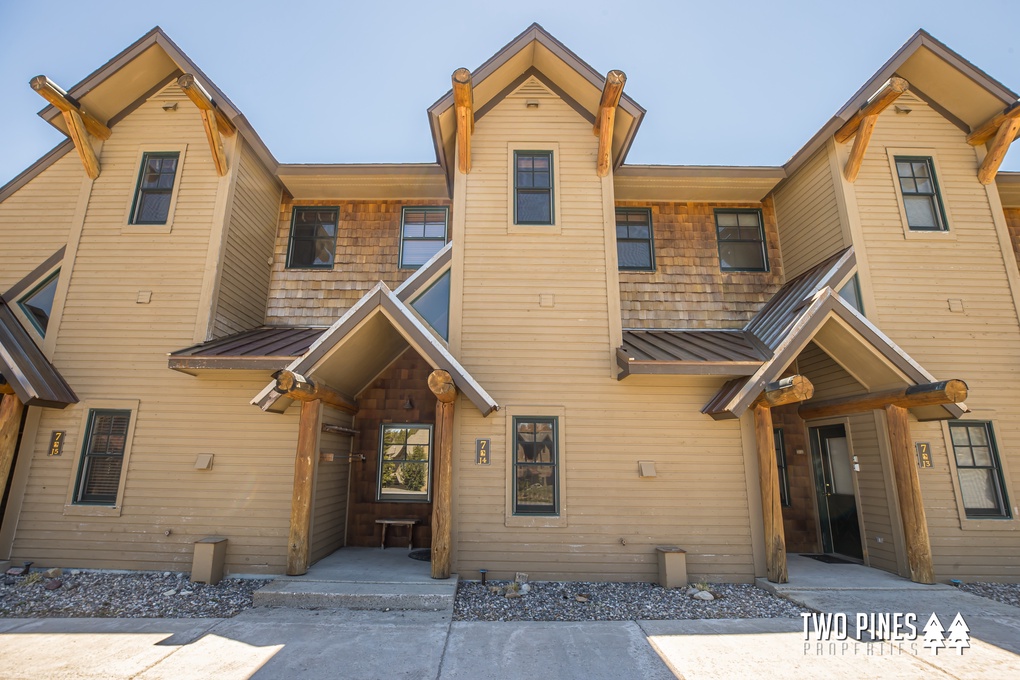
[724,83]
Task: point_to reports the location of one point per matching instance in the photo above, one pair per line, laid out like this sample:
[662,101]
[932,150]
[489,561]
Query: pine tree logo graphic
[959,634]
[933,638]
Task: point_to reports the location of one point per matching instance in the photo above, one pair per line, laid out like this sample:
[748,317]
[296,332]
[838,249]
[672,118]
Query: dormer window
[155,189]
[38,303]
[533,187]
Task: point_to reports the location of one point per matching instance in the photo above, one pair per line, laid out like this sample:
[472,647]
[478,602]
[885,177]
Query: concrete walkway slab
[594,650]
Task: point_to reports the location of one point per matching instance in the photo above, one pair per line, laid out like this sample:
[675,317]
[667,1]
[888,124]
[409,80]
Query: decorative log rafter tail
[605,121]
[78,121]
[788,390]
[928,394]
[464,110]
[296,386]
[862,124]
[214,120]
[982,133]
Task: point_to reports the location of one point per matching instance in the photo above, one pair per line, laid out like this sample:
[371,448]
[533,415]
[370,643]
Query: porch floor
[806,573]
[362,578]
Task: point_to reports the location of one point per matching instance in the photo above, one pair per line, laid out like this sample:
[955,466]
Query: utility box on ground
[672,566]
[207,566]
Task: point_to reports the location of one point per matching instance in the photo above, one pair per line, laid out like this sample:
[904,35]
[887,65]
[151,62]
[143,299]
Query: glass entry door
[832,463]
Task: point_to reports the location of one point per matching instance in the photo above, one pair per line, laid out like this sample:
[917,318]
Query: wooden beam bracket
[296,386]
[877,103]
[78,121]
[928,394]
[214,120]
[997,151]
[990,128]
[463,105]
[789,390]
[605,121]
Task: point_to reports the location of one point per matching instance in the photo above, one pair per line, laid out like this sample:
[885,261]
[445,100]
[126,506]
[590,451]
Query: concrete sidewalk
[291,643]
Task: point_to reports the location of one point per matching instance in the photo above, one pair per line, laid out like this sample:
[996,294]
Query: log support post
[463,104]
[300,539]
[441,384]
[605,119]
[908,490]
[771,506]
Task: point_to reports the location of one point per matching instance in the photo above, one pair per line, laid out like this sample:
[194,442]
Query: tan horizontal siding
[248,252]
[329,505]
[913,279]
[528,355]
[808,215]
[687,288]
[111,347]
[36,219]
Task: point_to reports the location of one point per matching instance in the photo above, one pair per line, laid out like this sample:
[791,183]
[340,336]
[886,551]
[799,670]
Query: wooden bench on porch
[409,523]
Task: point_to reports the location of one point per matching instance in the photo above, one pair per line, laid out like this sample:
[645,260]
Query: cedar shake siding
[367,251]
[687,288]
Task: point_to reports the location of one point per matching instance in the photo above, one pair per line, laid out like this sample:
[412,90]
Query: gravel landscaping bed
[585,601]
[1006,593]
[136,595]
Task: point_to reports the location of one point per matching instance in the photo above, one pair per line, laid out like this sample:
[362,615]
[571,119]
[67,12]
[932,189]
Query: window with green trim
[155,188]
[422,235]
[312,238]
[102,457]
[38,303]
[741,238]
[634,243]
[434,305]
[535,466]
[405,463]
[784,479]
[533,187]
[920,192]
[977,466]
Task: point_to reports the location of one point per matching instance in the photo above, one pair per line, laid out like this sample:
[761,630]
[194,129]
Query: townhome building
[527,356]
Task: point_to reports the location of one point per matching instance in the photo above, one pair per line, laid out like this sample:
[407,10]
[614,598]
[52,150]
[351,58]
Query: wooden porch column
[771,506]
[10,420]
[300,540]
[908,489]
[441,384]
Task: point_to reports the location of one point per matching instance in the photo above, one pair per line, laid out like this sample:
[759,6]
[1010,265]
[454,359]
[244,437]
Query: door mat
[828,559]
[422,554]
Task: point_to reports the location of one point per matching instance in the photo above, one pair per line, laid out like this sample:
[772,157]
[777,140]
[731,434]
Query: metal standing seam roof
[268,347]
[26,369]
[695,351]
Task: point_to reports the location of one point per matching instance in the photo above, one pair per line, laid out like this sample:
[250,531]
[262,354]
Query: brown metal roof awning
[691,352]
[25,368]
[268,348]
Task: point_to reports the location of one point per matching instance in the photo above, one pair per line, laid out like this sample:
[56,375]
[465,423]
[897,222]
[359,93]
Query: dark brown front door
[831,460]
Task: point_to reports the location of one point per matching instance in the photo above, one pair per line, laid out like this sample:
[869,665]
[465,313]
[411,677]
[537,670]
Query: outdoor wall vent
[646,468]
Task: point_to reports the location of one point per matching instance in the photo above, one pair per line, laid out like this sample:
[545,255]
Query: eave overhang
[23,366]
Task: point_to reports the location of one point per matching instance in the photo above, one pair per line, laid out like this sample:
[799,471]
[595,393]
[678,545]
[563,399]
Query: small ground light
[483,572]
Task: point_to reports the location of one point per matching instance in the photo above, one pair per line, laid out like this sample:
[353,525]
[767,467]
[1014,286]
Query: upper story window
[312,237]
[38,303]
[422,235]
[634,244]
[920,190]
[155,189]
[980,473]
[741,241]
[533,187]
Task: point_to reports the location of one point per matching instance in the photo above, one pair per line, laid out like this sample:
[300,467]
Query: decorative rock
[692,591]
[581,598]
[55,572]
[165,574]
[185,593]
[16,571]
[704,595]
[53,584]
[168,593]
[521,577]
[525,588]
[512,594]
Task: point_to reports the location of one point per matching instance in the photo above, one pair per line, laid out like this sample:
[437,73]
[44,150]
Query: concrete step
[306,594]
